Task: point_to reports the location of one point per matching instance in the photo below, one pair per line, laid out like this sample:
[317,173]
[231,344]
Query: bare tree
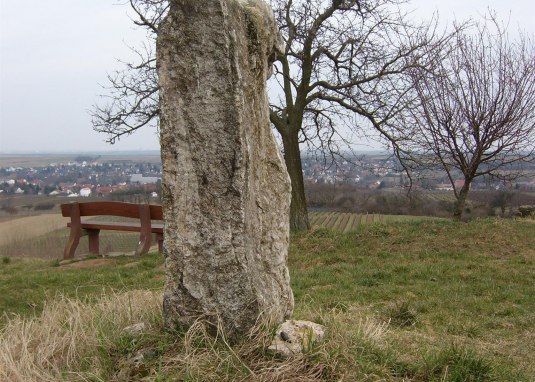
[132,100]
[476,113]
[346,66]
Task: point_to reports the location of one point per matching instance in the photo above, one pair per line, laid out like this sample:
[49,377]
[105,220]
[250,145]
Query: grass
[73,339]
[27,284]
[438,283]
[21,229]
[51,244]
[410,301]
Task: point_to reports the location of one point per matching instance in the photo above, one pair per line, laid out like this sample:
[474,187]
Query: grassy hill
[403,301]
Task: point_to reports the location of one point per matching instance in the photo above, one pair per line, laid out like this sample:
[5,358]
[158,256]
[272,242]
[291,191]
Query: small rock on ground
[135,329]
[293,337]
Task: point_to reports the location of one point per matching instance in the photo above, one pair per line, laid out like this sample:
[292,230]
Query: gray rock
[226,192]
[294,337]
[133,368]
[135,329]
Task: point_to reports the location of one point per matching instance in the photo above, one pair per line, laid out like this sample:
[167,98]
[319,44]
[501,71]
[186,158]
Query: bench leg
[72,244]
[143,246]
[93,237]
[145,241]
[159,237]
[145,235]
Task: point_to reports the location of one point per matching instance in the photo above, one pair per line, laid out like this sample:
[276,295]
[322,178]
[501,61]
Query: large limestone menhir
[226,192]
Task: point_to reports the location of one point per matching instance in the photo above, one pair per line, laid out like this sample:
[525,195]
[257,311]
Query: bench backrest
[127,210]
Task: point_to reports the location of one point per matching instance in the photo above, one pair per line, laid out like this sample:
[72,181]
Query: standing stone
[226,192]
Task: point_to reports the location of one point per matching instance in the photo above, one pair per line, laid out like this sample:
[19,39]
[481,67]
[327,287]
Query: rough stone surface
[136,367]
[135,329]
[293,337]
[226,192]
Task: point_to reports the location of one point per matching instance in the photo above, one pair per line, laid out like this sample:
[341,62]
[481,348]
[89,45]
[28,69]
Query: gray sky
[54,54]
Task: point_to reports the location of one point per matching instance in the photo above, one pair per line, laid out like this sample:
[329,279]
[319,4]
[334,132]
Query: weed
[457,364]
[401,314]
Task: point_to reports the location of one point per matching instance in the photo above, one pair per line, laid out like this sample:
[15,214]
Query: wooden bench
[146,213]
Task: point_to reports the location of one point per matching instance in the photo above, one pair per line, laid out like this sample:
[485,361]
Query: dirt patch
[91,263]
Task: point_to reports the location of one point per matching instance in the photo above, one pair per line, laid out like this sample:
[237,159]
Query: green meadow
[421,300]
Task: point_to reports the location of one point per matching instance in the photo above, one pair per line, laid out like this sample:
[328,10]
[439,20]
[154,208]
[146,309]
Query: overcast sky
[54,54]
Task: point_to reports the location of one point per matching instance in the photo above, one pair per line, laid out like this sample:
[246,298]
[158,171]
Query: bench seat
[118,226]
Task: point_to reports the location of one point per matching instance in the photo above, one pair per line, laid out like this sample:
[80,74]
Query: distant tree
[476,109]
[345,66]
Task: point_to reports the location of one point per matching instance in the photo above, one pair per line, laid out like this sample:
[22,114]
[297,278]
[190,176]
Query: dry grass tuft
[203,356]
[74,340]
[211,358]
[66,337]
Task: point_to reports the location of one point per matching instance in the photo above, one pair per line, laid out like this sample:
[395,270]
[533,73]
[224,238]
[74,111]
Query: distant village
[96,177]
[81,177]
[383,172]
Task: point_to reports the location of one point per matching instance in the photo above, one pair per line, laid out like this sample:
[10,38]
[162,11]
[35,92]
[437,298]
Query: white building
[85,192]
[140,179]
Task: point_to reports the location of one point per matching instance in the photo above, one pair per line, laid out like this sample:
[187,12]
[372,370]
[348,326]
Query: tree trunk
[298,207]
[461,201]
